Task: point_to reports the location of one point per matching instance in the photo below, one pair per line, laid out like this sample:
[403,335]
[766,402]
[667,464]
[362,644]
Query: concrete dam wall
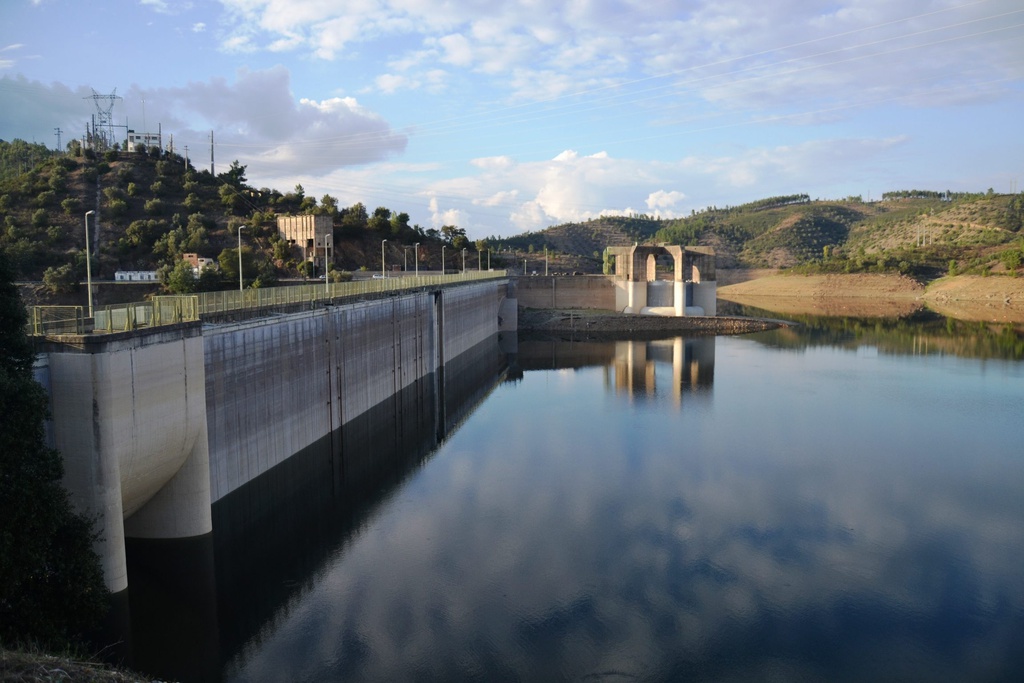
[273,387]
[156,425]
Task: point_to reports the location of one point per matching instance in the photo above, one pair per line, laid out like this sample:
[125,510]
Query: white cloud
[662,202]
[258,120]
[28,108]
[7,62]
[389,83]
[456,50]
[440,217]
[157,5]
[493,163]
[727,49]
[198,27]
[498,198]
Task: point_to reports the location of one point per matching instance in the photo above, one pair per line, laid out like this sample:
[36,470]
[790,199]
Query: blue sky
[508,116]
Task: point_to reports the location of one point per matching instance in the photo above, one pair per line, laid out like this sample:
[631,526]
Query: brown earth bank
[591,324]
[825,286]
[965,297]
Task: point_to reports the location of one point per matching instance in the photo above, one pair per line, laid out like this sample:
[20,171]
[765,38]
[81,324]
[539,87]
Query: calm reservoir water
[842,501]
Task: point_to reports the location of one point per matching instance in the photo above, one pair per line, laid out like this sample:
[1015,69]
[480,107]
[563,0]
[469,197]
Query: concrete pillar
[129,418]
[679,292]
[91,475]
[704,296]
[636,293]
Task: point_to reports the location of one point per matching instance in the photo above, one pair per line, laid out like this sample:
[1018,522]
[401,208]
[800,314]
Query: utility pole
[211,153]
[186,157]
[57,133]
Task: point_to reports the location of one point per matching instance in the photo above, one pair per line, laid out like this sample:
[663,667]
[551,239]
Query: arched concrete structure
[693,278]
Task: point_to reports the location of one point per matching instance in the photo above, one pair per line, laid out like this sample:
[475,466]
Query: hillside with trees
[919,233]
[150,208]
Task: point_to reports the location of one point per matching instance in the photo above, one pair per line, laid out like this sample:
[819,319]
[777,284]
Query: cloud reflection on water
[794,526]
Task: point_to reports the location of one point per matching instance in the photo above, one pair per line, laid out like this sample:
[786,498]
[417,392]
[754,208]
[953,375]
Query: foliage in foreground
[51,584]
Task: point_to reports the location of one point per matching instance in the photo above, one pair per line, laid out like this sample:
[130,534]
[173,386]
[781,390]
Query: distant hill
[915,232]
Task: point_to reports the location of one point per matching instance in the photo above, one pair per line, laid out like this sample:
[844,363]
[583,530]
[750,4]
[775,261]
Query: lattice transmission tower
[101,136]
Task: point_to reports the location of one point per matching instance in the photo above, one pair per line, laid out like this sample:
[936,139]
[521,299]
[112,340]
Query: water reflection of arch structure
[691,291]
[634,366]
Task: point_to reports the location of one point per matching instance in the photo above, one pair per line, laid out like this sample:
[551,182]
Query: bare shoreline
[985,299]
[594,324]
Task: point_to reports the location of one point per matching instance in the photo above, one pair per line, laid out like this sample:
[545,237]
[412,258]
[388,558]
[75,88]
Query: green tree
[328,206]
[399,223]
[181,279]
[449,233]
[354,219]
[380,220]
[230,198]
[61,279]
[235,175]
[1011,258]
[228,261]
[71,206]
[51,583]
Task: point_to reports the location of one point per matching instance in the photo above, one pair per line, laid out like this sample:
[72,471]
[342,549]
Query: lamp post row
[241,277]
[416,259]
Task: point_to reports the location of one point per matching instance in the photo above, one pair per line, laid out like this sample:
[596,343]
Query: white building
[136,276]
[146,139]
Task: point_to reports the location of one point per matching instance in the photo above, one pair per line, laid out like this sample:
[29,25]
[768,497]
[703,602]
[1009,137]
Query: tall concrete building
[313,235]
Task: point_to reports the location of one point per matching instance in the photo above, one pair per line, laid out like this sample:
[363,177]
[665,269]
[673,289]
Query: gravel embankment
[586,324]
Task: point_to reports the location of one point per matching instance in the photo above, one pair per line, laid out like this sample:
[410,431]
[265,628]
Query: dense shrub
[51,583]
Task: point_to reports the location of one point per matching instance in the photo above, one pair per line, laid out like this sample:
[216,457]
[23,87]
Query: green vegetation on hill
[151,209]
[916,232]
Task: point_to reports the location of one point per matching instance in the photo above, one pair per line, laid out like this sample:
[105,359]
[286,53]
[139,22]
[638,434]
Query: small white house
[136,276]
[146,139]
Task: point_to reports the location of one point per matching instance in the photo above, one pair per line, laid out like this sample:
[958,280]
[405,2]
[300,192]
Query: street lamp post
[442,259]
[416,255]
[382,258]
[405,259]
[463,261]
[545,261]
[240,281]
[327,286]
[88,261]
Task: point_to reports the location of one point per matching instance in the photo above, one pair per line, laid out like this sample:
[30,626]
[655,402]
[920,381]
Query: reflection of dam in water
[634,369]
[195,604]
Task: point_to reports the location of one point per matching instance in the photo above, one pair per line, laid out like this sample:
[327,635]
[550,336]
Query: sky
[512,116]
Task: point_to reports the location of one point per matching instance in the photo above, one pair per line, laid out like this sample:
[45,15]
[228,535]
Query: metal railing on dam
[172,309]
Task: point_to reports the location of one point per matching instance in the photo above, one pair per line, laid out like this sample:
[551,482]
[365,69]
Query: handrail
[171,309]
